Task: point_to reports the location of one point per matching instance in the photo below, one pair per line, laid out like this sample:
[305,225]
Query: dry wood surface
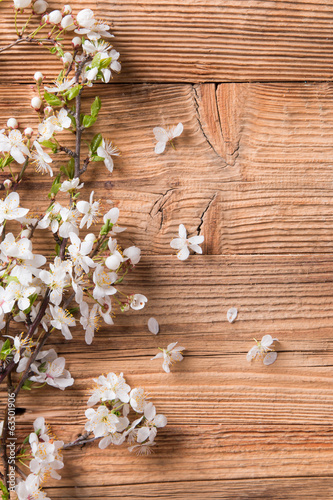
[252,172]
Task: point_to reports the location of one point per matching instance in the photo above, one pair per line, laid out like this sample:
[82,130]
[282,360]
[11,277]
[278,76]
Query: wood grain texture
[205,40]
[228,420]
[251,172]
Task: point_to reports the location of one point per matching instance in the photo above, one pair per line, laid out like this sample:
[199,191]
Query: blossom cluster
[111,420]
[45,460]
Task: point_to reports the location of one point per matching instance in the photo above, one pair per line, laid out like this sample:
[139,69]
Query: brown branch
[27,39]
[80,441]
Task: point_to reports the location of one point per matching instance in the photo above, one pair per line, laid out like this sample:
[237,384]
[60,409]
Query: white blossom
[115,258]
[263,350]
[170,355]
[61,85]
[22,4]
[138,399]
[101,422]
[79,252]
[20,249]
[14,144]
[10,209]
[41,159]
[51,218]
[71,185]
[103,282]
[110,388]
[89,320]
[164,136]
[56,280]
[90,27]
[70,222]
[106,151]
[62,319]
[133,254]
[40,6]
[151,423]
[29,489]
[137,301]
[183,244]
[89,210]
[52,371]
[21,294]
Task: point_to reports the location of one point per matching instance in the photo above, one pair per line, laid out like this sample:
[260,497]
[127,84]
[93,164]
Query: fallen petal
[153,326]
[232,314]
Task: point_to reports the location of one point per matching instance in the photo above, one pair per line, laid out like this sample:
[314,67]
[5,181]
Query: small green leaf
[27,385]
[52,100]
[95,107]
[95,143]
[71,93]
[57,250]
[105,62]
[50,145]
[9,279]
[55,187]
[98,158]
[88,121]
[96,60]
[42,367]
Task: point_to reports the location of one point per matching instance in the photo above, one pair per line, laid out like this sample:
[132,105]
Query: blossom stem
[81,440]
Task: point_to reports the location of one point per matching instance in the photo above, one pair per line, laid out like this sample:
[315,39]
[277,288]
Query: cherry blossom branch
[28,39]
[80,441]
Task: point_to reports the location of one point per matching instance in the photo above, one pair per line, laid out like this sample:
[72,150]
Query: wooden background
[253,172]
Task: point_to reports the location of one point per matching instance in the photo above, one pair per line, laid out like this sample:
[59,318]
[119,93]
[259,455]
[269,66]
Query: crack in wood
[204,212]
[161,201]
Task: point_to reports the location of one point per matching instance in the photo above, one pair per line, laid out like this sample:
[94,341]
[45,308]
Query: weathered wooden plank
[201,41]
[250,171]
[228,419]
[281,488]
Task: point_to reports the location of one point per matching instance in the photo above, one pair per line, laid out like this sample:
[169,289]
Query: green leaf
[106,228]
[95,143]
[50,145]
[55,186]
[42,367]
[9,279]
[96,106]
[52,100]
[88,121]
[96,60]
[57,250]
[27,385]
[105,62]
[98,158]
[71,93]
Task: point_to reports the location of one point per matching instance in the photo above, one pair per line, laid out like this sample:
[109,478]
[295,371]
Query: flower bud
[85,18]
[28,132]
[8,184]
[25,233]
[39,7]
[36,103]
[90,237]
[67,58]
[55,17]
[76,42]
[48,110]
[67,9]
[12,123]
[46,19]
[67,23]
[22,4]
[38,76]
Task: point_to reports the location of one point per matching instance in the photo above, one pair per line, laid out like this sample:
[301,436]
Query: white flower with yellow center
[89,210]
[79,252]
[183,244]
[61,85]
[62,320]
[106,151]
[10,209]
[103,282]
[164,136]
[41,160]
[264,349]
[52,371]
[101,422]
[138,399]
[170,355]
[21,294]
[89,320]
[70,222]
[14,144]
